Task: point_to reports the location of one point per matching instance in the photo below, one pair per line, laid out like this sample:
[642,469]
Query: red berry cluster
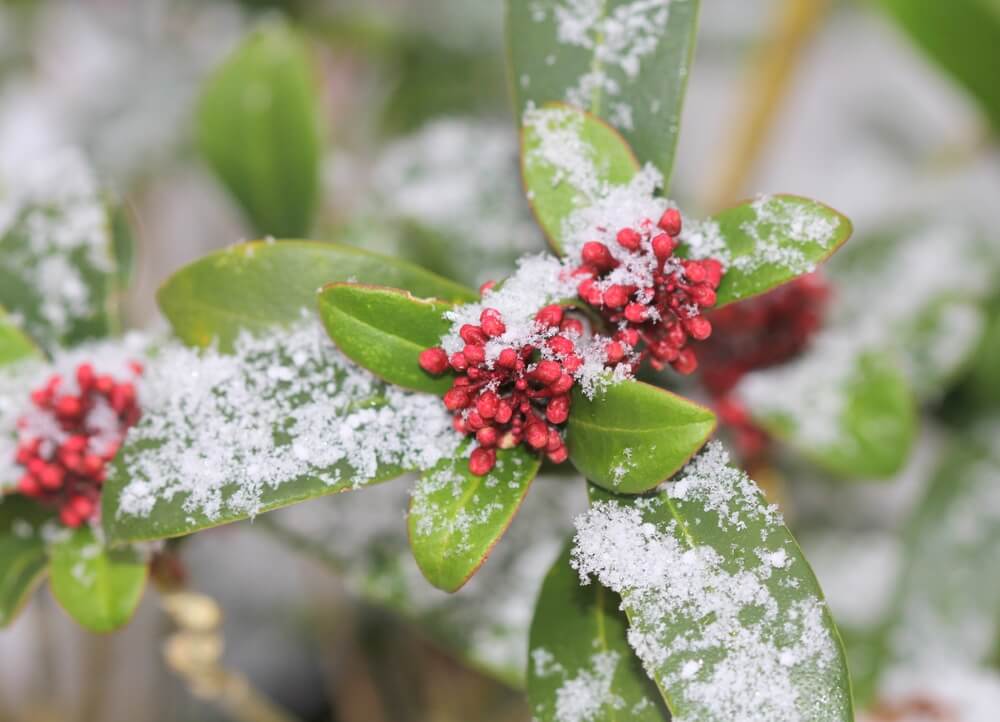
[66,442]
[521,396]
[666,312]
[755,334]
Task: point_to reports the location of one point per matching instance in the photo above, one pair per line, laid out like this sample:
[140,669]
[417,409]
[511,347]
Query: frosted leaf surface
[285,417]
[725,613]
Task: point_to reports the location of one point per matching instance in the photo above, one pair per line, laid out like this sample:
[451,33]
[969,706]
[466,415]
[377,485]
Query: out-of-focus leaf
[253,286]
[258,127]
[14,344]
[622,60]
[23,559]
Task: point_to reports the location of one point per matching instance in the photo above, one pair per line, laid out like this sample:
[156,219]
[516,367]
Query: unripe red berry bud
[104,384]
[93,464]
[686,363]
[663,246]
[676,335]
[536,435]
[69,517]
[82,505]
[557,410]
[561,385]
[561,345]
[85,376]
[555,440]
[550,315]
[590,293]
[695,272]
[51,477]
[713,271]
[636,313]
[703,294]
[28,485]
[487,437]
[507,358]
[559,455]
[472,335]
[572,326]
[699,327]
[474,421]
[731,411]
[482,461]
[629,238]
[458,362]
[69,407]
[474,354]
[616,296]
[458,423]
[628,336]
[434,361]
[456,398]
[670,222]
[504,412]
[572,363]
[488,286]
[614,353]
[492,322]
[597,255]
[488,404]
[546,372]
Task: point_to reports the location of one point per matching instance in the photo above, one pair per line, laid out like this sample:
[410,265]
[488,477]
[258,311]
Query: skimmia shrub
[296,369]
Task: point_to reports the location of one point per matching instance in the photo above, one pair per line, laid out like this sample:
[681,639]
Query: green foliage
[258,127]
[632,436]
[457,517]
[23,559]
[99,587]
[253,286]
[648,94]
[552,194]
[576,629]
[384,330]
[14,344]
[962,36]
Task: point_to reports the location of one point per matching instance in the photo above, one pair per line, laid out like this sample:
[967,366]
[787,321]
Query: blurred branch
[763,92]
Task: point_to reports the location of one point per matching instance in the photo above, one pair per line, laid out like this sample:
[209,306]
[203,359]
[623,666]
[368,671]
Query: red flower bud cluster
[67,440]
[521,396]
[663,313]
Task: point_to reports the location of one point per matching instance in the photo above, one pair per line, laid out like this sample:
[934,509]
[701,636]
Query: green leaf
[99,587]
[632,436]
[253,286]
[457,517]
[384,330]
[766,242]
[855,421]
[23,560]
[578,642]
[962,36]
[14,344]
[258,126]
[629,65]
[723,609]
[552,179]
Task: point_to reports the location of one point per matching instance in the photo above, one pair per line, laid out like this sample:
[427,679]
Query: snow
[588,695]
[729,640]
[221,431]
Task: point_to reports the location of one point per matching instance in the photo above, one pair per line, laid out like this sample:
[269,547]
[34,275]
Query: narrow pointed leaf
[384,330]
[99,587]
[631,436]
[456,517]
[723,609]
[573,170]
[622,60]
[14,344]
[23,559]
[766,242]
[578,644]
[253,286]
[258,127]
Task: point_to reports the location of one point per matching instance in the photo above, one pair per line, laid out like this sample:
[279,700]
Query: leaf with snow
[284,418]
[23,558]
[580,666]
[842,404]
[569,160]
[457,517]
[625,61]
[258,126]
[632,436]
[58,272]
[384,330]
[14,344]
[253,286]
[766,242]
[98,587]
[724,611]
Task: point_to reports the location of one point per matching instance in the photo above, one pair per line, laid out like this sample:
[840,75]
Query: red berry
[616,296]
[488,404]
[561,345]
[614,352]
[487,437]
[69,407]
[456,398]
[559,455]
[507,358]
[28,485]
[663,246]
[472,335]
[713,271]
[487,286]
[537,435]
[458,362]
[636,312]
[670,222]
[504,412]
[482,461]
[572,363]
[695,272]
[69,517]
[597,255]
[703,294]
[699,327]
[434,361]
[561,385]
[572,326]
[550,315]
[85,376]
[629,238]
[474,354]
[547,372]
[686,363]
[558,410]
[492,322]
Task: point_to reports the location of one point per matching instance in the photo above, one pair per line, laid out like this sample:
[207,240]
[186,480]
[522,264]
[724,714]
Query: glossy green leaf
[862,425]
[578,642]
[627,63]
[258,127]
[14,344]
[457,517]
[723,609]
[631,436]
[766,242]
[384,330]
[962,36]
[23,560]
[99,587]
[555,186]
[253,286]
